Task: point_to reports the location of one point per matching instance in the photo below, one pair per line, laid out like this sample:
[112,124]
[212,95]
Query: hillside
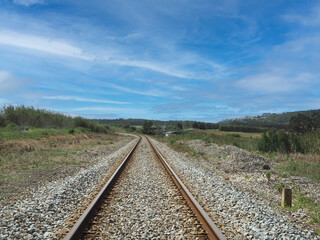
[268,119]
[139,122]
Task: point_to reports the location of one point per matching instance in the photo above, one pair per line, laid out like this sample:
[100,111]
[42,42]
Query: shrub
[279,141]
[71,131]
[22,117]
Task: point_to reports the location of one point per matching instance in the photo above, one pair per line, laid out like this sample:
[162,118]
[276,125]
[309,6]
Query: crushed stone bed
[238,214]
[145,204]
[41,214]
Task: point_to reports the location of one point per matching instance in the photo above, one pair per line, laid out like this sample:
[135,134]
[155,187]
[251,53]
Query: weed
[268,175]
[280,186]
[302,168]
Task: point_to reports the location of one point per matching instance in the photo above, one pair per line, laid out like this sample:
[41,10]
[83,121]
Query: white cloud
[28,3]
[8,82]
[42,44]
[79,99]
[110,109]
[311,19]
[277,81]
[156,93]
[150,66]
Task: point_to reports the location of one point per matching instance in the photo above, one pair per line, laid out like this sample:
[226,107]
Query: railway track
[144,199]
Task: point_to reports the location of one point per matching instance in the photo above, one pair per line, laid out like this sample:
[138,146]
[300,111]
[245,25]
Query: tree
[301,123]
[147,127]
[179,125]
[195,125]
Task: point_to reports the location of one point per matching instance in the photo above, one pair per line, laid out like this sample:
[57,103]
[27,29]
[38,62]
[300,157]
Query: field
[31,157]
[306,165]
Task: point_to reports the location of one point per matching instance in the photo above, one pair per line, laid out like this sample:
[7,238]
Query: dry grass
[24,162]
[242,134]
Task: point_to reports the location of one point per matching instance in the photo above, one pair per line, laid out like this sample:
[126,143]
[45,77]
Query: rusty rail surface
[77,230]
[207,223]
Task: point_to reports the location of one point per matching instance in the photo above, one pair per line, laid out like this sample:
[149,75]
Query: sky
[204,60]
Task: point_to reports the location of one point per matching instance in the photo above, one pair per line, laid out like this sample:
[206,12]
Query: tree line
[24,117]
[302,135]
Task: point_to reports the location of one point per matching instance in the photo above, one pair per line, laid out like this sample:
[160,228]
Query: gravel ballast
[239,215]
[145,204]
[43,212]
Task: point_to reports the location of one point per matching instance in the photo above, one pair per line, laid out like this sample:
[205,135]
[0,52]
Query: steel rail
[207,223]
[78,228]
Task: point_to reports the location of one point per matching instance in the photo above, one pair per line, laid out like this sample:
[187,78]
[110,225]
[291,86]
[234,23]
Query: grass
[301,201]
[30,133]
[38,133]
[242,134]
[301,168]
[243,140]
[23,159]
[306,165]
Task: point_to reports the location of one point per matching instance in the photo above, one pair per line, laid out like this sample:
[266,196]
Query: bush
[71,131]
[279,141]
[12,127]
[21,117]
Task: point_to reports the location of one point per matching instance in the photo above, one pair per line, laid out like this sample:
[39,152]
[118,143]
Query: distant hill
[139,122]
[268,119]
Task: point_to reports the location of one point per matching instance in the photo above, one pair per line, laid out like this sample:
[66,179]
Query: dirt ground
[28,163]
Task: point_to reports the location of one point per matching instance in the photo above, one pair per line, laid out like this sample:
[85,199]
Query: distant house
[167,134]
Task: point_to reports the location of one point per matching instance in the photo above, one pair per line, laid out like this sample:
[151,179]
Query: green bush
[279,141]
[21,117]
[71,131]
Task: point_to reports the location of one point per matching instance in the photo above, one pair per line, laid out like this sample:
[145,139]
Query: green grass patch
[300,168]
[35,133]
[306,202]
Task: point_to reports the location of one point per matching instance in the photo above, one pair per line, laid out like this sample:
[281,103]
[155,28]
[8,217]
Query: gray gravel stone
[240,214]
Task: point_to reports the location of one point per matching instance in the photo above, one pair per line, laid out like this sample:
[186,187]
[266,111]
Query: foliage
[298,167]
[278,141]
[245,142]
[268,120]
[268,175]
[204,126]
[235,128]
[21,118]
[179,125]
[303,124]
[147,127]
[280,186]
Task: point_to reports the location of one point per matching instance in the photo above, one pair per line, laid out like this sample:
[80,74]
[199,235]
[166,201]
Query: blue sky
[203,60]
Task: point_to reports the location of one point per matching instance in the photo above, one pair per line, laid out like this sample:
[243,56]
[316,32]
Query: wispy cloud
[276,81]
[79,99]
[9,82]
[154,93]
[110,109]
[150,66]
[28,3]
[310,19]
[42,44]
